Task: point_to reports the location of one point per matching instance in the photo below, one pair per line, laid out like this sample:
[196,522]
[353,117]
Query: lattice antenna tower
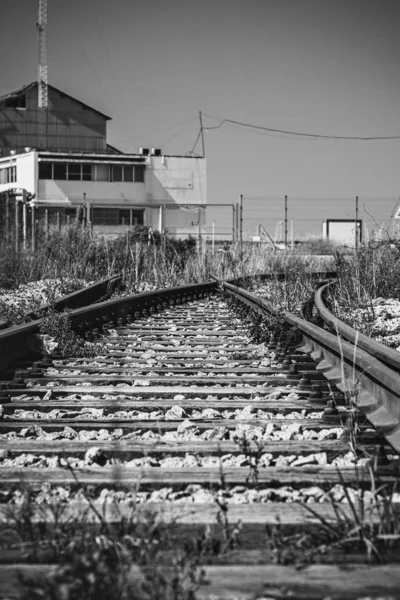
[43,98]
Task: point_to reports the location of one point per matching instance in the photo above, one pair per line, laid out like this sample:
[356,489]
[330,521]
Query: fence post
[46,223]
[33,228]
[356,224]
[24,223]
[241,227]
[7,216]
[286,223]
[17,225]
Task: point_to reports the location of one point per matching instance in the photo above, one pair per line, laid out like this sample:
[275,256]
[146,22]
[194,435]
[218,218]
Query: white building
[115,191]
[76,169]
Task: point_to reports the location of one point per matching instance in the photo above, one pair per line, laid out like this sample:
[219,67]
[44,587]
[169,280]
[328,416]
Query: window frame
[43,164]
[139,169]
[78,167]
[12,102]
[129,168]
[89,172]
[113,169]
[104,165]
[59,165]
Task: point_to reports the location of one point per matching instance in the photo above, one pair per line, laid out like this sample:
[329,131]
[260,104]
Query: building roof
[34,84]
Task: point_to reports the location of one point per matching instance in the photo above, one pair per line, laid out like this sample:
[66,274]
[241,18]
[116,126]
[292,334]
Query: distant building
[77,170]
[70,125]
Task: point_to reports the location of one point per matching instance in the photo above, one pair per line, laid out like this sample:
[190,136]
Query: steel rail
[388,356]
[277,276]
[88,295]
[366,382]
[22,342]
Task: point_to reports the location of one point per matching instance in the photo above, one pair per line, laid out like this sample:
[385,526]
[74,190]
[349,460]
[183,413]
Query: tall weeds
[371,272]
[145,259]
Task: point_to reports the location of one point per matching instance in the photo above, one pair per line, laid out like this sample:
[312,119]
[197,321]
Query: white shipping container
[343,231]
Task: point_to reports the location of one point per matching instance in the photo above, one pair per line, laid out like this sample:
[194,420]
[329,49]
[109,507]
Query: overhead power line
[298,133]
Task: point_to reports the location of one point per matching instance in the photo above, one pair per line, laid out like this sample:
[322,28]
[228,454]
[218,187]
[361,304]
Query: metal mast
[42,74]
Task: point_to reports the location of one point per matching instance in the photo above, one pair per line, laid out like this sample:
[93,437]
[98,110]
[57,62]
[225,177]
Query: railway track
[210,411]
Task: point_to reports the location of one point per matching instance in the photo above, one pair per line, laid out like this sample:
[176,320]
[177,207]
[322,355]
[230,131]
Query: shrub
[58,327]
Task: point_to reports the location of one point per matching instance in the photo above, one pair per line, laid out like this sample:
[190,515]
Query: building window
[139,173]
[128,173]
[102,173]
[91,172]
[117,216]
[74,172]
[116,173]
[124,216]
[45,170]
[86,172]
[16,101]
[60,171]
[137,217]
[8,175]
[105,216]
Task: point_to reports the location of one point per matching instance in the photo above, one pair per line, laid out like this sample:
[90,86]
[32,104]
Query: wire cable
[297,133]
[195,143]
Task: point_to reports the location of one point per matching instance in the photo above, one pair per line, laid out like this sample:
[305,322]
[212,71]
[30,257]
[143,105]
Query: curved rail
[21,341]
[387,356]
[367,383]
[279,276]
[208,338]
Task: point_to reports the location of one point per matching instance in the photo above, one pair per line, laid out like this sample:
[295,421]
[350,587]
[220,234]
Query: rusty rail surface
[354,369]
[21,341]
[386,355]
[197,374]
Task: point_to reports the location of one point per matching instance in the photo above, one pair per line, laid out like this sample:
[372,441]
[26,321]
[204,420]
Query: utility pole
[202,134]
[43,100]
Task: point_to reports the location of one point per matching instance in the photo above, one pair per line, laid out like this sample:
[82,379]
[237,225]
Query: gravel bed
[128,373]
[381,320]
[155,360]
[152,359]
[95,457]
[174,413]
[185,431]
[197,494]
[146,382]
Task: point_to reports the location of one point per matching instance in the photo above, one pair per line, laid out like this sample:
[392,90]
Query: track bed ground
[185,416]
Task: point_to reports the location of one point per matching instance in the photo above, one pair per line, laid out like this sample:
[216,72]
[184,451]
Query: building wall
[97,192]
[25,172]
[178,182]
[71,126]
[172,191]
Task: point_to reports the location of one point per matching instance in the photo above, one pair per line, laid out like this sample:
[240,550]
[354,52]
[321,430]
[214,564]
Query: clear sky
[318,66]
